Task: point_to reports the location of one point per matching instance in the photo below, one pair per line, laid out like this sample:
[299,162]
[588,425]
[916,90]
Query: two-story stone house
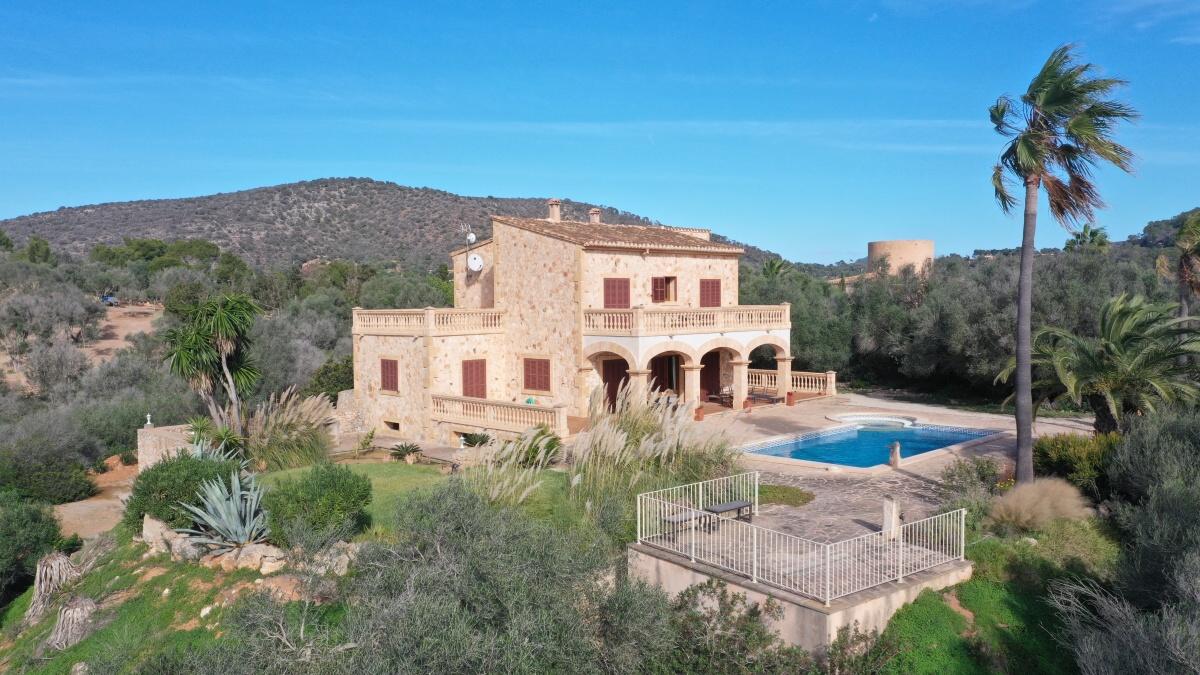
[547,310]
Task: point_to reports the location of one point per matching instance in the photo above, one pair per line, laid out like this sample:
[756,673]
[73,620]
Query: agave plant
[202,448]
[229,515]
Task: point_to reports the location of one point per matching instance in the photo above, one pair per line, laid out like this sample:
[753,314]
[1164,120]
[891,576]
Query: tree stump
[74,623]
[53,572]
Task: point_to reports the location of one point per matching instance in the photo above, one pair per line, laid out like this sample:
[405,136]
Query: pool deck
[848,503]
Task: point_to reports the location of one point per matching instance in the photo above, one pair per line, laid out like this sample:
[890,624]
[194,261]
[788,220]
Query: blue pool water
[868,445]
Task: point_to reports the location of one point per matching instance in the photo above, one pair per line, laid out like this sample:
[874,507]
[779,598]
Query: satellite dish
[470,238]
[475,262]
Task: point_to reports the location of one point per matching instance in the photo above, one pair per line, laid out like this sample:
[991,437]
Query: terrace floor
[848,504]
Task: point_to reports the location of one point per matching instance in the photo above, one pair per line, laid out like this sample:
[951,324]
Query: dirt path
[115,328]
[100,512]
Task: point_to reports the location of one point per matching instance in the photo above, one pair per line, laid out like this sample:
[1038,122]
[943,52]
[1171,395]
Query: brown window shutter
[389,376]
[710,292]
[537,374]
[474,378]
[658,289]
[616,294]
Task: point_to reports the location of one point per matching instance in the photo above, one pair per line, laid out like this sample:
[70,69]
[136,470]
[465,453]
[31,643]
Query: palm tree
[1187,273]
[1088,238]
[211,348]
[1059,130]
[1129,368]
[775,268]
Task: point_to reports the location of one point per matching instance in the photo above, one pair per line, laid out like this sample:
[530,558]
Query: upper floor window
[389,375]
[616,293]
[662,289]
[537,374]
[710,292]
[474,378]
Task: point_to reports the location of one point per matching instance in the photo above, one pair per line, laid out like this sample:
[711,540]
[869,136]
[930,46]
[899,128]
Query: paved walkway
[850,504]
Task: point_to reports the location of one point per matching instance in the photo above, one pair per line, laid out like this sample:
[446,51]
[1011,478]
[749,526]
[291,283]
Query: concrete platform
[805,622]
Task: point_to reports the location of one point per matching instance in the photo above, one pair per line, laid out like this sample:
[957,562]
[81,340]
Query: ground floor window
[474,378]
[389,375]
[537,375]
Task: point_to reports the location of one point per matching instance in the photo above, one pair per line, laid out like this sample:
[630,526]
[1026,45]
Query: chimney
[594,215]
[555,209]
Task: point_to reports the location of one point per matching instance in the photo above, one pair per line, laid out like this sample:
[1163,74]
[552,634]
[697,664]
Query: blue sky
[807,128]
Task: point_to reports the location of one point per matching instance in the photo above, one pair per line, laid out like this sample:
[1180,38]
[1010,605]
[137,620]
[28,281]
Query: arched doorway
[716,376]
[666,372]
[613,370]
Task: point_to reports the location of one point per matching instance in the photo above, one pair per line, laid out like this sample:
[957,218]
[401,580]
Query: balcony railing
[428,321]
[809,383]
[657,321]
[498,415]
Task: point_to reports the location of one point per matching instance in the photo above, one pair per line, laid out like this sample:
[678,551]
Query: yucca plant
[228,516]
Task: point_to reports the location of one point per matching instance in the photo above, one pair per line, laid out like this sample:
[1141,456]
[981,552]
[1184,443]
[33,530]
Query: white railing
[498,415]
[676,520]
[658,321]
[428,321]
[809,383]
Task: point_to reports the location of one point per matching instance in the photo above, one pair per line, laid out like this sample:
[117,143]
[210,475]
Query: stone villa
[548,310]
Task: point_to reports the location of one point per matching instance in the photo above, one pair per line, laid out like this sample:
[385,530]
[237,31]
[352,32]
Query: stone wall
[407,408]
[537,286]
[474,290]
[155,443]
[688,269]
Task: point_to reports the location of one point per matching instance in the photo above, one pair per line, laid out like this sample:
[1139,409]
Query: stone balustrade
[428,321]
[824,384]
[498,415]
[675,321]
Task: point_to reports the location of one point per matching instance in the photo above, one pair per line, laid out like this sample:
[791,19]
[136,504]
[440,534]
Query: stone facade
[540,295]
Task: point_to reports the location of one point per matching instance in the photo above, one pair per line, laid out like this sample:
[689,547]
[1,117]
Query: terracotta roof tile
[611,235]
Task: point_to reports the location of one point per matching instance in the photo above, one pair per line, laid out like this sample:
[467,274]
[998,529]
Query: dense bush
[1033,505]
[27,532]
[158,490]
[335,375]
[49,477]
[55,367]
[970,484]
[1082,460]
[324,497]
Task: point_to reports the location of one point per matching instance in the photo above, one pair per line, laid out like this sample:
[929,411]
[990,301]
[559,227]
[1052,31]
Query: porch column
[691,384]
[741,372]
[583,380]
[639,384]
[783,375]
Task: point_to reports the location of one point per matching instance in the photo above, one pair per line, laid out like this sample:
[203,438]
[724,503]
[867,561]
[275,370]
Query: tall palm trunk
[1024,374]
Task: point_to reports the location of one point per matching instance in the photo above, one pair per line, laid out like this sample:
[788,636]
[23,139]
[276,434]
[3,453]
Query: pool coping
[747,450]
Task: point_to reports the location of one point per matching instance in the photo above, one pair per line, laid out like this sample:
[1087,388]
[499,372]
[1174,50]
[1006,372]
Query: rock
[185,548]
[252,556]
[156,534]
[272,566]
[206,611]
[337,559]
[80,668]
[166,592]
[1029,541]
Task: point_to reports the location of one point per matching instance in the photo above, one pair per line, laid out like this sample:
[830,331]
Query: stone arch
[598,348]
[732,345]
[782,348]
[671,346]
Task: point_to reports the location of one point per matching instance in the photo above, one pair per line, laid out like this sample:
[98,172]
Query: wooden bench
[744,510]
[704,519]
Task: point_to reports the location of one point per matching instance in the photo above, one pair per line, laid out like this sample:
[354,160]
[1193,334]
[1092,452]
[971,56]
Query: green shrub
[128,456]
[970,484]
[27,532]
[473,440]
[54,478]
[335,375]
[327,496]
[1082,460]
[402,450]
[159,490]
[540,448]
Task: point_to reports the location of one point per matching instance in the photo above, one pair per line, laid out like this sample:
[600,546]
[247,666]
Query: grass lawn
[389,482]
[136,619]
[1012,628]
[784,494]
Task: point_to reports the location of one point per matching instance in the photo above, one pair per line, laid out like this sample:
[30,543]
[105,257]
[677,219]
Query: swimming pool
[867,444]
